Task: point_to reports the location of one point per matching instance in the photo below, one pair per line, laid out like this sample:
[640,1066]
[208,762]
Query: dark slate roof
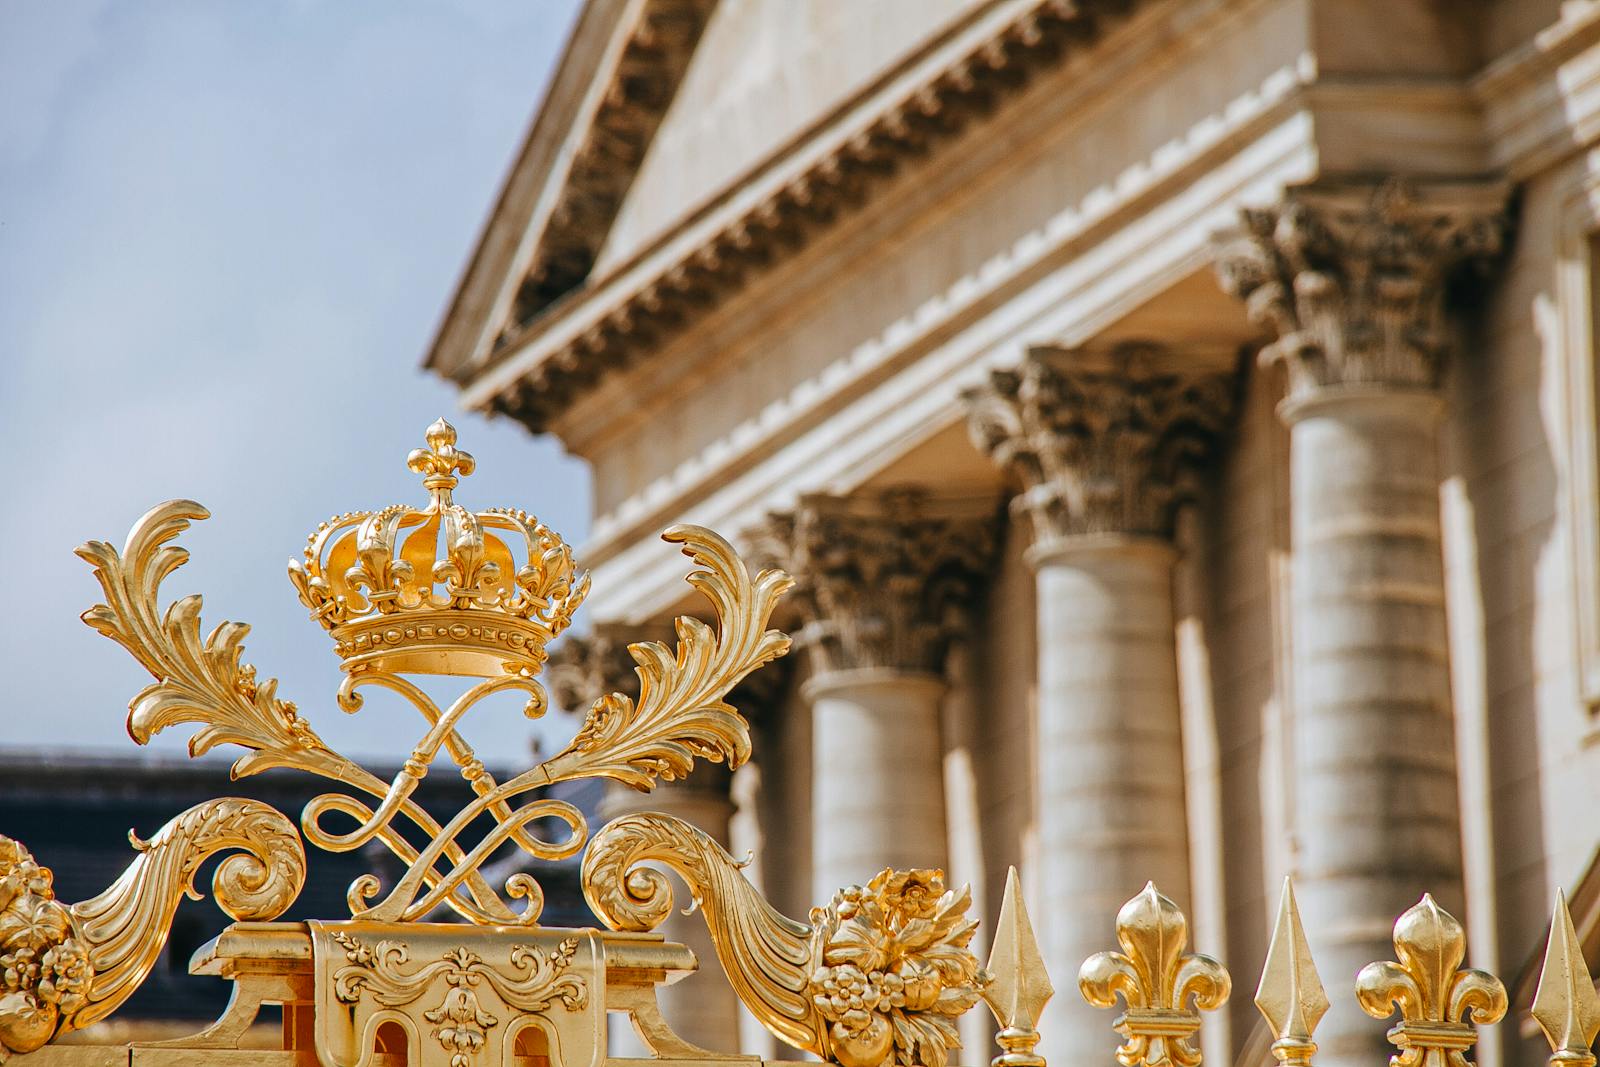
[73,812]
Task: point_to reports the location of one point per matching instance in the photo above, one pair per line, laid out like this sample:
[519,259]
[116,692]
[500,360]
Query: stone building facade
[1180,416]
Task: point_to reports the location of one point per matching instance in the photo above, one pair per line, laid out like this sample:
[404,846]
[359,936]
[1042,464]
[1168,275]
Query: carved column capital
[1104,443]
[883,583]
[1352,280]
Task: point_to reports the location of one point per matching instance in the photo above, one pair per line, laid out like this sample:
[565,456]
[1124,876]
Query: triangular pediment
[762,74]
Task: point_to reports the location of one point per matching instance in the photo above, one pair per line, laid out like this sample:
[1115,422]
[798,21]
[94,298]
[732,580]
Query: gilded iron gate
[877,977]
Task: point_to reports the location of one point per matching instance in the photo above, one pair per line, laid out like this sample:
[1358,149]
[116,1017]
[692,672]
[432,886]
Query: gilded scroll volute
[877,978]
[65,967]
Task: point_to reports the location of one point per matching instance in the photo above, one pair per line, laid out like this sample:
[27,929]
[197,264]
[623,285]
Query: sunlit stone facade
[1179,416]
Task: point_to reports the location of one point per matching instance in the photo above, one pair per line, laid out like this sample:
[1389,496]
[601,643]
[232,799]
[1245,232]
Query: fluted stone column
[1105,446]
[883,584]
[701,1008]
[1353,283]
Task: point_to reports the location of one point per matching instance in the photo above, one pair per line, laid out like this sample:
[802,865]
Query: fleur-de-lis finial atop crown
[1290,996]
[1156,979]
[441,461]
[1566,1006]
[1438,1001]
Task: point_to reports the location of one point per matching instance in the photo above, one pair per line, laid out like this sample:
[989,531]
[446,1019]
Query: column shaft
[1110,756]
[1374,778]
[877,775]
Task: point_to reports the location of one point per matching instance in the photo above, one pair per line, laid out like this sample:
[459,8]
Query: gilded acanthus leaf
[877,979]
[681,714]
[197,681]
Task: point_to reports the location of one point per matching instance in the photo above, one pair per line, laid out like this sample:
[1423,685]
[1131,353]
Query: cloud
[226,234]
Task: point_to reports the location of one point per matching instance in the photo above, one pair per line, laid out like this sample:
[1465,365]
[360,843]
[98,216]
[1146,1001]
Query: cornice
[831,170]
[1118,255]
[1541,101]
[619,72]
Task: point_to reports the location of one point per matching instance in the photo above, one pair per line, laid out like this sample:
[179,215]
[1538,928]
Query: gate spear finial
[1290,995]
[1565,1005]
[1020,987]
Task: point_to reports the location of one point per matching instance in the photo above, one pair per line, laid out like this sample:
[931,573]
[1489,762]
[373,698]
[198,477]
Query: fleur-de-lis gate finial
[1290,996]
[1439,1002]
[1157,980]
[1565,1005]
[1019,987]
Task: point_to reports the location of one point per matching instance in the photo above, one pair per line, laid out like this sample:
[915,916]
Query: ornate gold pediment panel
[458,997]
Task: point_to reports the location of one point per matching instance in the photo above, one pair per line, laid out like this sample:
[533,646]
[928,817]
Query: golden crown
[439,589]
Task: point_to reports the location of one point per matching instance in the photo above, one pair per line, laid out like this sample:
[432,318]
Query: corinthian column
[1352,282]
[1105,447]
[701,1008]
[883,584]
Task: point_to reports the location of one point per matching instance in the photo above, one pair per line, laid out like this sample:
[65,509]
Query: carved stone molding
[1102,443]
[642,85]
[841,179]
[883,583]
[1353,280]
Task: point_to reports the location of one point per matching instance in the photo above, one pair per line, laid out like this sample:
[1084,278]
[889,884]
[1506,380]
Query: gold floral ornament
[877,978]
[1157,981]
[439,590]
[1565,1005]
[1438,1001]
[372,980]
[44,970]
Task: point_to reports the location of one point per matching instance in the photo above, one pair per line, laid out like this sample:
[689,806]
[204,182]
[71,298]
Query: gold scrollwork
[65,967]
[681,716]
[461,1023]
[877,978]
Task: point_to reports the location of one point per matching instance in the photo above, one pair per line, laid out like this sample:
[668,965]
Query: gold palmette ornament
[1437,999]
[1290,996]
[1157,981]
[1565,1005]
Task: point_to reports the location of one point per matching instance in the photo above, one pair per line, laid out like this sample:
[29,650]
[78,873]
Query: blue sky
[227,231]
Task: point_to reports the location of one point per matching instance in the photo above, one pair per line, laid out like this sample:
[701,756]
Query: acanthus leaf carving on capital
[1102,445]
[882,583]
[1353,281]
